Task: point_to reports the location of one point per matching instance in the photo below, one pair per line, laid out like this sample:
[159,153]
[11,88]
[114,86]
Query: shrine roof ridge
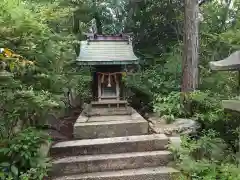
[107,37]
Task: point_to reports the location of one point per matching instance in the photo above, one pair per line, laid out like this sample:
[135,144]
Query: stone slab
[82,118]
[233,105]
[156,173]
[45,148]
[91,130]
[106,111]
[108,102]
[115,145]
[178,127]
[109,118]
[110,162]
[136,116]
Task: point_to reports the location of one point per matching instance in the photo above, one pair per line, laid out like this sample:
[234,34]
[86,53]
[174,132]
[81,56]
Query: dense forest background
[47,33]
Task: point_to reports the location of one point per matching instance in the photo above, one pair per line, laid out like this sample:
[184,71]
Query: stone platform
[110,126]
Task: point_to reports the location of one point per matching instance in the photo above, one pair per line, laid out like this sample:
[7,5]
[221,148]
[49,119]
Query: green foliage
[40,31]
[158,35]
[156,25]
[157,80]
[169,106]
[208,111]
[21,155]
[161,78]
[206,106]
[30,32]
[212,154]
[206,158]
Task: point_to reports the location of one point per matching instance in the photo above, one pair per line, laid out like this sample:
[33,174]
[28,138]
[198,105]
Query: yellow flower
[8,52]
[124,74]
[30,62]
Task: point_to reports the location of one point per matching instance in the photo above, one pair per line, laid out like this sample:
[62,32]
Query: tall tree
[190,52]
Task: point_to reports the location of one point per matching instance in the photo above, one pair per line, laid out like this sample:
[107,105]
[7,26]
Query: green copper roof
[231,63]
[106,53]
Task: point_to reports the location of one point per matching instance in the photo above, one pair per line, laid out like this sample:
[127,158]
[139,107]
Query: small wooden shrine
[111,56]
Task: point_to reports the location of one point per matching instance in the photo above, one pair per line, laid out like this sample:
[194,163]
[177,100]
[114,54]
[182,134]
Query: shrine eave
[106,52]
[102,62]
[217,66]
[231,63]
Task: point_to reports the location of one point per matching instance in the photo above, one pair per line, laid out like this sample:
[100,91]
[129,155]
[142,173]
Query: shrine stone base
[121,122]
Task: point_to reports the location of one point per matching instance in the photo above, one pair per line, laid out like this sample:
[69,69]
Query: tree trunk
[76,31]
[98,23]
[75,23]
[190,51]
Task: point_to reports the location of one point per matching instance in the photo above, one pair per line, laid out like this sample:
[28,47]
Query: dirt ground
[67,122]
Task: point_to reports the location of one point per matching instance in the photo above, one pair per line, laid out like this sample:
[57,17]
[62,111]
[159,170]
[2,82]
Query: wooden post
[238,83]
[99,87]
[117,88]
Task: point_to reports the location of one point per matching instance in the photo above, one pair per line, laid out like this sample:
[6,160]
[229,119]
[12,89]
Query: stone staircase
[114,147]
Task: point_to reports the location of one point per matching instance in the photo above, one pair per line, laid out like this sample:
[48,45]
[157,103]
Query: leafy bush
[38,75]
[207,158]
[212,155]
[208,111]
[169,106]
[206,106]
[21,155]
[158,80]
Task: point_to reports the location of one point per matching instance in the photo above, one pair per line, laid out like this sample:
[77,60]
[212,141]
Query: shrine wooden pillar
[117,88]
[99,87]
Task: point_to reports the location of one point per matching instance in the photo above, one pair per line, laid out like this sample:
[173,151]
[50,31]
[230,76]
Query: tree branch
[201,2]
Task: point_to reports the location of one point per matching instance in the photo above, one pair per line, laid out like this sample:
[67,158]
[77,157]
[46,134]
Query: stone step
[106,111]
[156,173]
[91,130]
[108,118]
[110,162]
[113,145]
[109,102]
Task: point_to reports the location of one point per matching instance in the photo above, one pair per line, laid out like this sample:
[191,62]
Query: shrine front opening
[107,83]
